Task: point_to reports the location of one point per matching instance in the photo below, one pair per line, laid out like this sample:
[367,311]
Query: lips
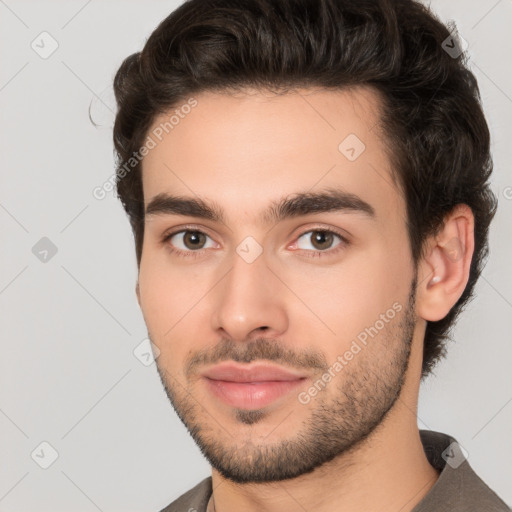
[252,373]
[250,386]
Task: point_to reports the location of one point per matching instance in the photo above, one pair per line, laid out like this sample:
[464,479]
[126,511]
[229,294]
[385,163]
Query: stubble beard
[367,389]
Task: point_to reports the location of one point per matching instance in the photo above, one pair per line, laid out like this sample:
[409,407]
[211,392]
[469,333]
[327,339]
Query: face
[276,278]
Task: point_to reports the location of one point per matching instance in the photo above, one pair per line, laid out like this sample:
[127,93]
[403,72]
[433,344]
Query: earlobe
[444,270]
[434,281]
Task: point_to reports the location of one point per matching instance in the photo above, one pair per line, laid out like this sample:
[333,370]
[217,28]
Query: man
[307,182]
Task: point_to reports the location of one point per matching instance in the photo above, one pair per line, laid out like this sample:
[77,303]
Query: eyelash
[310,253]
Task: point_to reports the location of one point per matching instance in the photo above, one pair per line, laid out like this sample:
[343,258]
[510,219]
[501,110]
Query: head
[295,174]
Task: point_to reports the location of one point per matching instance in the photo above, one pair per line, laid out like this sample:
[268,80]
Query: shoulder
[458,487]
[194,500]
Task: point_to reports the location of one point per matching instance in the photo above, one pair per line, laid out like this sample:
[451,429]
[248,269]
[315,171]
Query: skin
[242,152]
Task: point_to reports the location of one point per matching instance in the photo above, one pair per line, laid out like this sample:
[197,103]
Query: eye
[319,240]
[315,243]
[188,240]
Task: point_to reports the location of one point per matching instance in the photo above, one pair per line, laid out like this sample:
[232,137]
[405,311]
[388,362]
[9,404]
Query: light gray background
[69,326]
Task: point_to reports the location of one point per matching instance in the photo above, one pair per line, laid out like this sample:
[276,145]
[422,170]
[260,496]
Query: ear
[443,272]
[137,292]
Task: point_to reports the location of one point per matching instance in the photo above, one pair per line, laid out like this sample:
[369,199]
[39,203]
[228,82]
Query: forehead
[248,149]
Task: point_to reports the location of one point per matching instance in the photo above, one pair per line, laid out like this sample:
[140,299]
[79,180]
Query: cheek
[158,299]
[351,296]
[172,305]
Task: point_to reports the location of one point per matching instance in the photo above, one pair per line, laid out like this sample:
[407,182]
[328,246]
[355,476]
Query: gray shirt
[457,489]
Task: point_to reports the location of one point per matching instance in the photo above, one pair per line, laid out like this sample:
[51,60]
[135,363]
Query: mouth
[252,386]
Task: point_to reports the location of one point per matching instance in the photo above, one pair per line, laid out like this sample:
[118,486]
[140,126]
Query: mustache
[259,349]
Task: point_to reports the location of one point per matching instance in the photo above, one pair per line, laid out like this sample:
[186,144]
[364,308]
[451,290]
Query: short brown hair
[432,116]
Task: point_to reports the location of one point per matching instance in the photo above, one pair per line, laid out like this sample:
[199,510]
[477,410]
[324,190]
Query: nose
[249,301]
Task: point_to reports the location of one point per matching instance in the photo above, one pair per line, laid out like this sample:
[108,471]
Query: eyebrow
[300,204]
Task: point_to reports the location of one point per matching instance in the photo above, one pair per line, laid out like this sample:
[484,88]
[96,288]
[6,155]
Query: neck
[385,474]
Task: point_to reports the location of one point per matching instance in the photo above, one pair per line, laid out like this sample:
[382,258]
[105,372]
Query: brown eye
[188,240]
[319,240]
[194,240]
[322,240]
